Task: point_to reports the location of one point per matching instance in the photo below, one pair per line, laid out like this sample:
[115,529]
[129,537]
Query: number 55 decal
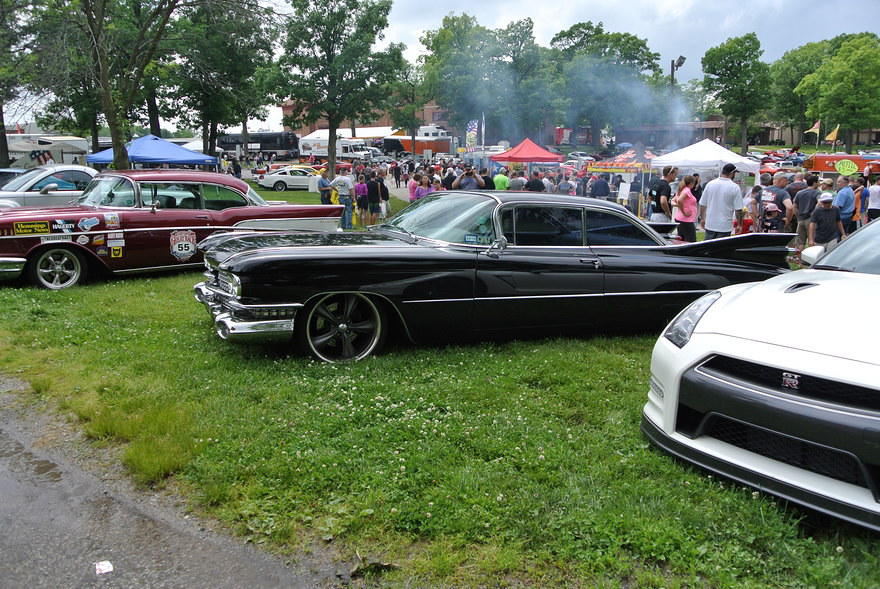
[183,244]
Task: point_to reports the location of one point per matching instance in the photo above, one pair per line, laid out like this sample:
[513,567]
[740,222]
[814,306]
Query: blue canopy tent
[150,149]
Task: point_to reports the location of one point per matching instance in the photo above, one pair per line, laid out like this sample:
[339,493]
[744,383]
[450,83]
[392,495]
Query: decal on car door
[183,244]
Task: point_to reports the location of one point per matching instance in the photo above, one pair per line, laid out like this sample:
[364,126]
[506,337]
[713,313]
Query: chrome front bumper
[232,328]
[11,268]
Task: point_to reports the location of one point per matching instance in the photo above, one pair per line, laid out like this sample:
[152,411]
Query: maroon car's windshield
[110,191]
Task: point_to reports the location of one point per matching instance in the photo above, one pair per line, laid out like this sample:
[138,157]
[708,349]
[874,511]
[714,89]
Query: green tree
[845,89]
[735,73]
[212,90]
[622,49]
[329,68]
[700,103]
[122,47]
[458,68]
[15,59]
[789,107]
[408,97]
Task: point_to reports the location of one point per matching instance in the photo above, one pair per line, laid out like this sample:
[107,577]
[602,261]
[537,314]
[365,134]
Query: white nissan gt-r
[776,384]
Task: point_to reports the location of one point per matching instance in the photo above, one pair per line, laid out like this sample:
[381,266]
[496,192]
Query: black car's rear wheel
[342,327]
[279,186]
[57,268]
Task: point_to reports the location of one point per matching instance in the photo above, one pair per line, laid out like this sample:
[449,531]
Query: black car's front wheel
[341,327]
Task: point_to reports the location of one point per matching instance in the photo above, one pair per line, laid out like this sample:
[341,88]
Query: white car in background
[777,384]
[53,185]
[290,178]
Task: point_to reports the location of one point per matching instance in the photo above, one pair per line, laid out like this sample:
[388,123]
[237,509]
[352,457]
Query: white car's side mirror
[811,254]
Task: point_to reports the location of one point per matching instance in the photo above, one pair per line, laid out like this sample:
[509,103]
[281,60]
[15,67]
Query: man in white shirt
[721,200]
[345,187]
[873,200]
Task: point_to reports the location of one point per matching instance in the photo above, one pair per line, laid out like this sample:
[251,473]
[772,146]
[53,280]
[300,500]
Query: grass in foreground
[486,464]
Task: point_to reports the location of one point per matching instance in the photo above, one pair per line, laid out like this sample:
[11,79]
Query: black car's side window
[610,229]
[545,226]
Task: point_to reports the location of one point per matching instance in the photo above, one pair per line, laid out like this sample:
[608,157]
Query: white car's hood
[823,311]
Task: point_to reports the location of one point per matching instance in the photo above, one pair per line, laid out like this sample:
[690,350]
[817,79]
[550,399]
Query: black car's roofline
[505,196]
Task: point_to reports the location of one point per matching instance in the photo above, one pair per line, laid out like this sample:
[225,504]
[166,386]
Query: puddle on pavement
[20,459]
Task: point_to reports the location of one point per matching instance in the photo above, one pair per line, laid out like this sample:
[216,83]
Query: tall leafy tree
[459,68]
[786,73]
[330,69]
[213,89]
[845,89]
[121,49]
[408,97]
[735,73]
[14,59]
[623,49]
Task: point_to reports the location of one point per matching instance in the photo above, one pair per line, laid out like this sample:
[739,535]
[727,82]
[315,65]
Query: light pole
[674,65]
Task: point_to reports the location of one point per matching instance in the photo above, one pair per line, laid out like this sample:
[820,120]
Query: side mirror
[810,255]
[499,245]
[48,188]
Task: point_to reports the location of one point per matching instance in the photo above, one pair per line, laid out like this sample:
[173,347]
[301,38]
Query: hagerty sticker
[30,227]
[88,224]
[183,244]
[63,226]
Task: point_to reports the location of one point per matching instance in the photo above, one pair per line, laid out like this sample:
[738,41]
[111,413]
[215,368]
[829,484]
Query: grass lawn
[479,465]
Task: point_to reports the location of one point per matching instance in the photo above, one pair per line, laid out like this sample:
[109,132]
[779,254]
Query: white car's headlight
[682,327]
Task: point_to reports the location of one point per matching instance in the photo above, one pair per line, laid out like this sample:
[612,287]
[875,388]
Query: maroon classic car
[140,220]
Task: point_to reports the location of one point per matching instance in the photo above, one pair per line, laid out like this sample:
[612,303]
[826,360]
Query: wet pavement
[57,521]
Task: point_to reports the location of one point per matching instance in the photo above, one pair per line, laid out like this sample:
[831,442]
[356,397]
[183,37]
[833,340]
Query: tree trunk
[117,139]
[245,138]
[353,129]
[595,133]
[744,135]
[153,113]
[206,140]
[848,140]
[413,137]
[331,147]
[212,138]
[93,130]
[4,145]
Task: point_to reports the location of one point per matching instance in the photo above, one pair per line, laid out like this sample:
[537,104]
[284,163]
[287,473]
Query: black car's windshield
[858,253]
[452,217]
[109,191]
[23,180]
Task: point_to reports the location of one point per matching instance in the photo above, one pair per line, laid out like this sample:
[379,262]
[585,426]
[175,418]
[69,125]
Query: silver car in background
[46,186]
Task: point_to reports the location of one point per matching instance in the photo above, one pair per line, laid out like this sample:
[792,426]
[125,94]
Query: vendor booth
[150,149]
[528,152]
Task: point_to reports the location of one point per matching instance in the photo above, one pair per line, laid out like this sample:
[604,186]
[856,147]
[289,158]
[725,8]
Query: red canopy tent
[527,151]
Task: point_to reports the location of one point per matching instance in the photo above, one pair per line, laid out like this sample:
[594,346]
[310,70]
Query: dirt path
[67,505]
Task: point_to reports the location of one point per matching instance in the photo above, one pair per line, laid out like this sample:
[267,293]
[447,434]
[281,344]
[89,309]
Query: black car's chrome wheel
[342,327]
[57,268]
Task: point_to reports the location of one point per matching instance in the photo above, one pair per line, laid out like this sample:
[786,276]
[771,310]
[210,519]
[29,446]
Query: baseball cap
[826,197]
[771,207]
[728,168]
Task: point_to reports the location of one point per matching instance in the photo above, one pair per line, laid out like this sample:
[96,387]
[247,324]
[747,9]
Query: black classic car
[468,264]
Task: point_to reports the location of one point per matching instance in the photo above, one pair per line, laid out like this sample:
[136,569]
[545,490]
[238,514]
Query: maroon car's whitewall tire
[57,268]
[341,327]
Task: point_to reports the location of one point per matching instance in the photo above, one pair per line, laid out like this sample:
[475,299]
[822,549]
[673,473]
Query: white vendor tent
[706,154]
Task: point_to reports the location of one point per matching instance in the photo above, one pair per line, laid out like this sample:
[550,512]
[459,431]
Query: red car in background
[140,220]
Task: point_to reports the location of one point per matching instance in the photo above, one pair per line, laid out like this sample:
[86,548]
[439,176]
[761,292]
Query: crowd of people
[819,211]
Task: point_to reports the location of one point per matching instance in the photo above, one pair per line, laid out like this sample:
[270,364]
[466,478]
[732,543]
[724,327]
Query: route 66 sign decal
[183,244]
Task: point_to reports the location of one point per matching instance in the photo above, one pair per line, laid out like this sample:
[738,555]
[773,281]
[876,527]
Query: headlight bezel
[681,329]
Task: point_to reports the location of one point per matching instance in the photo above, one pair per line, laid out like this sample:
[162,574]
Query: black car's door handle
[594,261]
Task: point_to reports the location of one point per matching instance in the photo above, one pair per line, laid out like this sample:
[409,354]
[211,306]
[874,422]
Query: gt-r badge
[791,381]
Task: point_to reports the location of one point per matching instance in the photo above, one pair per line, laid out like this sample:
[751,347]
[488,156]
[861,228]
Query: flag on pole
[832,136]
[814,128]
[470,136]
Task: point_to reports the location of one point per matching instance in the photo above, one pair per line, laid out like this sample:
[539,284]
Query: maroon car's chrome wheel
[57,268]
[343,327]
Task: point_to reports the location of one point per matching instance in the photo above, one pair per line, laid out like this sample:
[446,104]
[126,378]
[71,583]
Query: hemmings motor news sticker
[30,227]
[183,244]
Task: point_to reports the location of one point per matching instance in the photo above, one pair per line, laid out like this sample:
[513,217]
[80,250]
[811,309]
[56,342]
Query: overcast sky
[671,27]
